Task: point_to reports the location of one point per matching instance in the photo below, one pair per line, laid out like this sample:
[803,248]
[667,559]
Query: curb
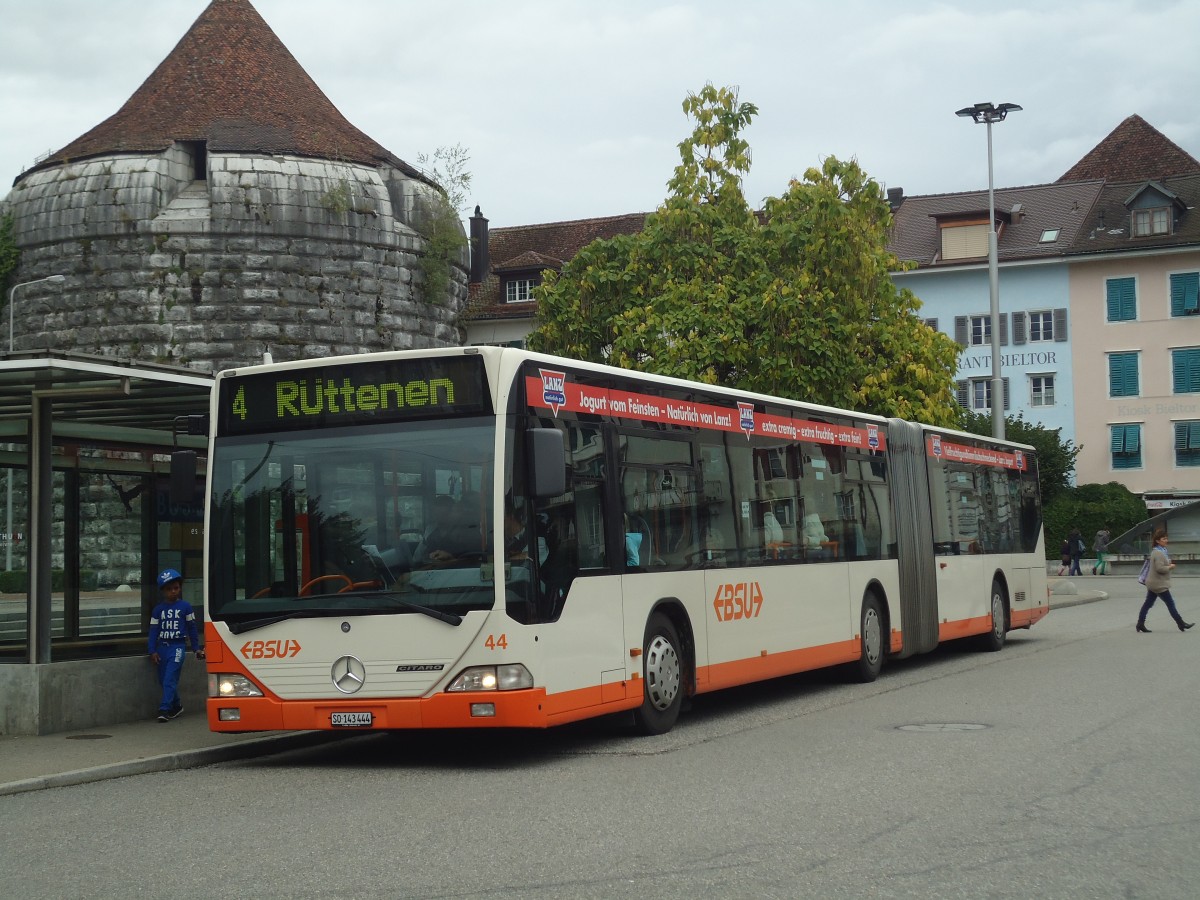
[169,762]
[1062,601]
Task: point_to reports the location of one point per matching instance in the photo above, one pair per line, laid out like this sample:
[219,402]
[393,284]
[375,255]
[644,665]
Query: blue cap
[166,576]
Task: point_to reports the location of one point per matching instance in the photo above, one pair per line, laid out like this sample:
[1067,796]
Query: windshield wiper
[394,603]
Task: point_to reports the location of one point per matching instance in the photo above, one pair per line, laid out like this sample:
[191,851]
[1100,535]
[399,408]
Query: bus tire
[871,641]
[993,641]
[662,677]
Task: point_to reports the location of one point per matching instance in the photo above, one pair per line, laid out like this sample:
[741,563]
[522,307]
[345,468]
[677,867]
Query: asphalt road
[1064,766]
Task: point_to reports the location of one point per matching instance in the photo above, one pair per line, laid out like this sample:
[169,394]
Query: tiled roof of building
[231,82]
[1107,228]
[536,247]
[915,236]
[1133,151]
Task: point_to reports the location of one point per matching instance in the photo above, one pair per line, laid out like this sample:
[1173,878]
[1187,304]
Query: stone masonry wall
[304,258]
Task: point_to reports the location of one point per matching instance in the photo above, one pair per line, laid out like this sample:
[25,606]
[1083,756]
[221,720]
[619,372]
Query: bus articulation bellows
[485,537]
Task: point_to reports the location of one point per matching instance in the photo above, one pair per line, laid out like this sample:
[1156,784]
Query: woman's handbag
[1145,573]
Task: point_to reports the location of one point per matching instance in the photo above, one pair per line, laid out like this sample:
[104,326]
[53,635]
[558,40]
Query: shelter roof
[91,395]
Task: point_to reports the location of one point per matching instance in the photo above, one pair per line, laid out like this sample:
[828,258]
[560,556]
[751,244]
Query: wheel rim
[997,613]
[872,636]
[663,672]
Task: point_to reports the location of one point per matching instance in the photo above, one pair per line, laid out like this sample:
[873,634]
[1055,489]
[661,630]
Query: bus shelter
[85,445]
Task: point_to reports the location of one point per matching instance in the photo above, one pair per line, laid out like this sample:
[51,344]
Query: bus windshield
[353,521]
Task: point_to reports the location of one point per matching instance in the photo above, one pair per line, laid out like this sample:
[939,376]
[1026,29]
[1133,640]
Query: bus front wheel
[662,677]
[994,639]
[871,635]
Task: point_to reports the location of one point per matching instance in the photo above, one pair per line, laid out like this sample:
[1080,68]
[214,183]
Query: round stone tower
[229,209]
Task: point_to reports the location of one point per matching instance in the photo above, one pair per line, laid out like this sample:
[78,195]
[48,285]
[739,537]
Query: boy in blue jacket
[171,619]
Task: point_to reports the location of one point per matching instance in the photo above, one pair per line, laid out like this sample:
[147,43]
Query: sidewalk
[135,748]
[32,763]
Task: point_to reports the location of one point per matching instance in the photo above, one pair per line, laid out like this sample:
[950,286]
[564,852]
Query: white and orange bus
[486,537]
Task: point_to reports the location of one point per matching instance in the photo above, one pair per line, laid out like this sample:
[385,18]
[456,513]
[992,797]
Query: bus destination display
[356,394]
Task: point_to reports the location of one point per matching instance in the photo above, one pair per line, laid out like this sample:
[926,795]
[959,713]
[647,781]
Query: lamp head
[987,113]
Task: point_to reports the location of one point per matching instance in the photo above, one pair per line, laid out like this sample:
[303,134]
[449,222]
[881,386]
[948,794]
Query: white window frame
[1044,329]
[519,290]
[980,325]
[1151,221]
[1041,396]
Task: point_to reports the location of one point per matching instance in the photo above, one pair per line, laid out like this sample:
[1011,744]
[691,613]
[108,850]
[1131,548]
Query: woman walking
[1158,583]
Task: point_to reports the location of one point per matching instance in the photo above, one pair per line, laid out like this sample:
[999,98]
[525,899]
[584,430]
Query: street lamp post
[8,506]
[987,113]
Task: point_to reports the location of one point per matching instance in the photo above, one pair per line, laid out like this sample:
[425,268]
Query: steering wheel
[323,578]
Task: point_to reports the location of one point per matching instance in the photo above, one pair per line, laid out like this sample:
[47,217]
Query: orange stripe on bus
[949,631]
[773,665]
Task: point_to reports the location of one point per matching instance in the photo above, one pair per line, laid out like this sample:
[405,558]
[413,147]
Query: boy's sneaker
[173,714]
[163,715]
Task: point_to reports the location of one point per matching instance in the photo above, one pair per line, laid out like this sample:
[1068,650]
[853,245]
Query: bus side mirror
[183,476]
[548,457]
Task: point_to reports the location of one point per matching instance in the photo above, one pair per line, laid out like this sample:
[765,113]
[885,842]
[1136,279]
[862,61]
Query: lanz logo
[554,389]
[873,437]
[937,445]
[1020,460]
[746,418]
[423,667]
[275,649]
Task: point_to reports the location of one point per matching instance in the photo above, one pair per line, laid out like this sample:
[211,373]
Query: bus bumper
[489,709]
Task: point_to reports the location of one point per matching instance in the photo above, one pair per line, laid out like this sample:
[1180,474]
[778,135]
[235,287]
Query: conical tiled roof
[231,82]
[1134,151]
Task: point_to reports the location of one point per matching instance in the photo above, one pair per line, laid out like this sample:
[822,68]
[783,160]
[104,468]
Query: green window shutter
[1185,371]
[1187,435]
[1122,301]
[1185,294]
[1123,375]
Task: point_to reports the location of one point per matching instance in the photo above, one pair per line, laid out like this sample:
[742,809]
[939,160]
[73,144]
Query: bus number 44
[738,601]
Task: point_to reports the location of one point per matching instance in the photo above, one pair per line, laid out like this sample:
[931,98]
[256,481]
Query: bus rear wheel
[993,641]
[662,677]
[871,634]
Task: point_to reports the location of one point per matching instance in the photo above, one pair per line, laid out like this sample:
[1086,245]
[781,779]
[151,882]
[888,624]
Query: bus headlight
[509,677]
[229,684]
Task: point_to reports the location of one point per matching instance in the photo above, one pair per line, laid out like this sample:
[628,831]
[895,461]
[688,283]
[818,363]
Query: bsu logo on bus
[738,601]
[275,649]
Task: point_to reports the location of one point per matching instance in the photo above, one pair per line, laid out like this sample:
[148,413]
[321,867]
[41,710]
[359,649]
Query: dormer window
[1147,222]
[519,290]
[1153,208]
[964,235]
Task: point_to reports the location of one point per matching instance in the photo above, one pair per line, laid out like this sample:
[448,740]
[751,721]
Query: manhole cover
[944,726]
[87,737]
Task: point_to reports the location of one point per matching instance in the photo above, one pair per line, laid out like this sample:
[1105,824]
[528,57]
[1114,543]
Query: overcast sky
[573,109]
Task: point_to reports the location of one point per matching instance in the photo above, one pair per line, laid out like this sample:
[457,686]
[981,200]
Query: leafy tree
[1056,457]
[796,301]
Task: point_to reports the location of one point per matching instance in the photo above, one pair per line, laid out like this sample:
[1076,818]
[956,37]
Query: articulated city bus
[485,537]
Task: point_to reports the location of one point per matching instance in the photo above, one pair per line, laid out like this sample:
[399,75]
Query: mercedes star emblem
[349,674]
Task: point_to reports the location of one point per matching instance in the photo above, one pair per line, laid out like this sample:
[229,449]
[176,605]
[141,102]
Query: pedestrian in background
[1101,547]
[1158,583]
[1064,564]
[171,620]
[1075,540]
